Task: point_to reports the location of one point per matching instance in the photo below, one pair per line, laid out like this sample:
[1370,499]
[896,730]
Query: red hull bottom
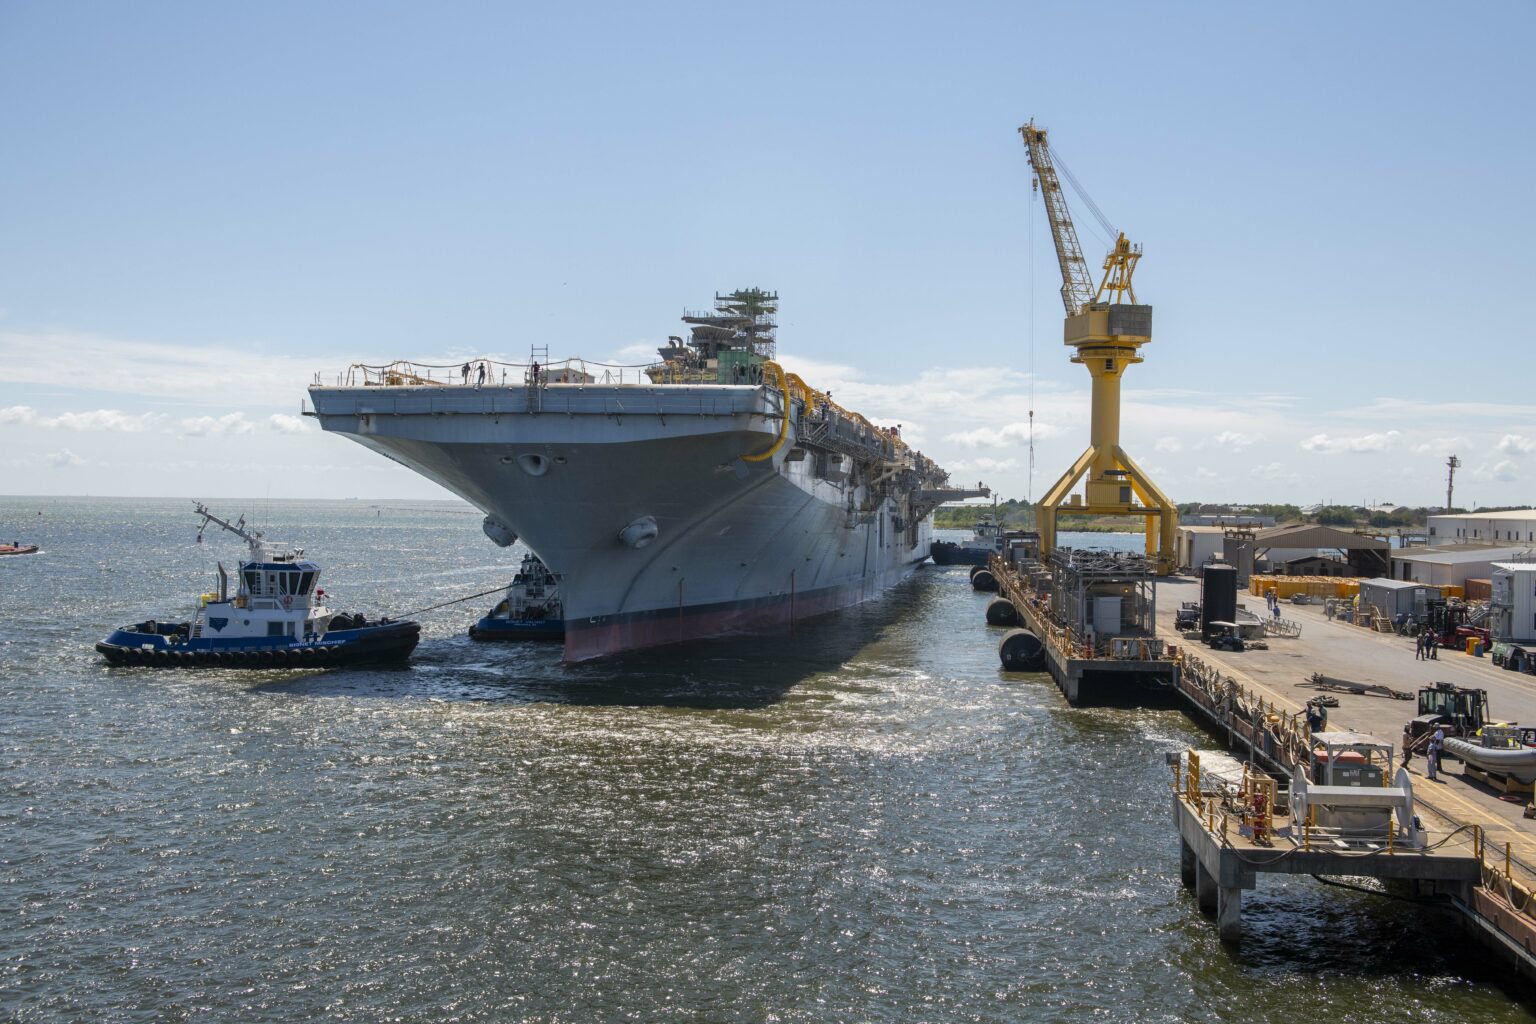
[585,640]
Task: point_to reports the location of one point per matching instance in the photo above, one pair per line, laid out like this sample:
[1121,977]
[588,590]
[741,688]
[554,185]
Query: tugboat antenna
[250,536]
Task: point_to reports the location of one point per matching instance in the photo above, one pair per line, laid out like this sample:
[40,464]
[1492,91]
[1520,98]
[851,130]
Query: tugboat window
[306,581]
[253,581]
[275,628]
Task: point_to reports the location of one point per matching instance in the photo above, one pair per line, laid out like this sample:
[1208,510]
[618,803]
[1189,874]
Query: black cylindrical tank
[1218,597]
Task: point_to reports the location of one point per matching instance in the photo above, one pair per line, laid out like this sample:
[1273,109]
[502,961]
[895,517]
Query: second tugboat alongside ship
[716,494]
[274,620]
[986,538]
[530,611]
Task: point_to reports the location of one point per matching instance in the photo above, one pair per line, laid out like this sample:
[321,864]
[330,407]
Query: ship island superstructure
[709,493]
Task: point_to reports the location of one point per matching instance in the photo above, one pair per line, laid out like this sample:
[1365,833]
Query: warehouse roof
[1386,584]
[1306,535]
[1514,513]
[1456,554]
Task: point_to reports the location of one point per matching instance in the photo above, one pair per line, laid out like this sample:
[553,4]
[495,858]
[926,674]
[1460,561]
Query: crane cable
[1082,193]
[1029,491]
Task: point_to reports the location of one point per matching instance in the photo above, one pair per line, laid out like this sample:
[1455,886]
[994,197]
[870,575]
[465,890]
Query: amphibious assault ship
[709,493]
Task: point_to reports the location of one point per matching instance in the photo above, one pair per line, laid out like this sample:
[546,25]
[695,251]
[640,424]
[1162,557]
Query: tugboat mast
[249,534]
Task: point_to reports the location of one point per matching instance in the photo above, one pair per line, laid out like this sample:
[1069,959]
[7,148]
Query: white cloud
[1235,441]
[1273,471]
[1443,445]
[815,372]
[985,465]
[159,370]
[95,419]
[64,459]
[229,423]
[1168,444]
[1322,443]
[285,424]
[1516,444]
[1007,436]
[105,419]
[641,353]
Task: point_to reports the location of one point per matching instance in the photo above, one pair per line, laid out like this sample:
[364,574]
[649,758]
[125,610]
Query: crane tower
[1106,327]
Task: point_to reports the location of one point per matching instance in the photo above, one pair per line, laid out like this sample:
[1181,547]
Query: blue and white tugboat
[530,611]
[276,619]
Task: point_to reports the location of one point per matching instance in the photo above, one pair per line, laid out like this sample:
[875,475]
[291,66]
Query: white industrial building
[1512,611]
[1196,545]
[1517,526]
[1451,565]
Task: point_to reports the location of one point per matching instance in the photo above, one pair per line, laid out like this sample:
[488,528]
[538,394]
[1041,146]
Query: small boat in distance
[530,611]
[276,619]
[16,547]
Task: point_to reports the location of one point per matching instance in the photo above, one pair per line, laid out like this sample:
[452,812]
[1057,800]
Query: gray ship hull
[657,506]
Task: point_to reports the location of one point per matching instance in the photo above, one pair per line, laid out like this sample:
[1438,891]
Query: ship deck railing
[409,373]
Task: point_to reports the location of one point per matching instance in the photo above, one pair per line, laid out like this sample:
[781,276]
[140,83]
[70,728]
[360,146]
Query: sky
[202,206]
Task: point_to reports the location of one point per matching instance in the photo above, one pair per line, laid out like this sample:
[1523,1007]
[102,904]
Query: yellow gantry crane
[1107,327]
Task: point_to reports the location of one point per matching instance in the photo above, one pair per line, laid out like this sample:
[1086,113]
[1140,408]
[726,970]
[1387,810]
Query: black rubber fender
[974,570]
[1021,651]
[984,582]
[1001,612]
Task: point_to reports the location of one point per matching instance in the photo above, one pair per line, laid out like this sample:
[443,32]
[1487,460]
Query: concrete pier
[1254,702]
[1224,858]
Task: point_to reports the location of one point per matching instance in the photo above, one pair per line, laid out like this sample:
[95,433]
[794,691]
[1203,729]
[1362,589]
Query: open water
[864,821]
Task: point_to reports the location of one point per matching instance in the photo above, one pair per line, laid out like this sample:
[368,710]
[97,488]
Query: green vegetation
[1014,514]
[1017,515]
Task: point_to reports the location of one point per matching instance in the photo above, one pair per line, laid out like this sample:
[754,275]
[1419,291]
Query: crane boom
[1077,289]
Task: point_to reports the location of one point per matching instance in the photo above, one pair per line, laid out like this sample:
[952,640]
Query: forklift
[1458,710]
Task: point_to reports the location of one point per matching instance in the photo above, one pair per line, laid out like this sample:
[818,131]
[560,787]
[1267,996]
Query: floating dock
[1065,606]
